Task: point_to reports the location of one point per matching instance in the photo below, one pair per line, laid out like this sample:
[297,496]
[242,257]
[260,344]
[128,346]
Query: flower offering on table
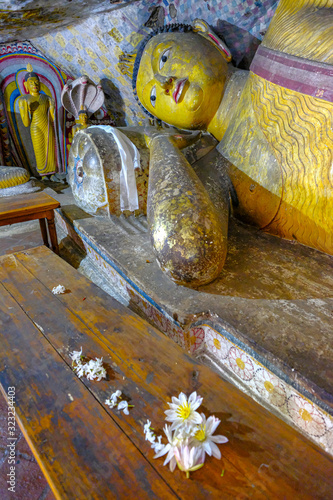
[190,435]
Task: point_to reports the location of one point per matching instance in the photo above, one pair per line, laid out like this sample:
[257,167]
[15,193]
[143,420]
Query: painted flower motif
[241,364]
[189,459]
[218,345]
[329,441]
[306,416]
[204,439]
[197,337]
[270,387]
[169,448]
[182,411]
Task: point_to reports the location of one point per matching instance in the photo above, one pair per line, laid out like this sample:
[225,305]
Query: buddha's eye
[164,57]
[153,96]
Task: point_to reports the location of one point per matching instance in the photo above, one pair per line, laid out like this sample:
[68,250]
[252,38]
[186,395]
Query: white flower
[76,356]
[169,448]
[189,459]
[204,439]
[146,427]
[112,401]
[157,447]
[123,405]
[182,411]
[79,369]
[57,290]
[94,369]
[150,436]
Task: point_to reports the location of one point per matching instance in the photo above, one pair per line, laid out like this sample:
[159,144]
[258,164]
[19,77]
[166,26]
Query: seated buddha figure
[274,124]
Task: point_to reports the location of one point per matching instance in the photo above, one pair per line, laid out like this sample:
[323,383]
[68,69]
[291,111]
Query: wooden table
[89,451]
[33,206]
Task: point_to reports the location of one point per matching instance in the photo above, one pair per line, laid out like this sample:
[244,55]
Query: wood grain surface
[87,450]
[23,204]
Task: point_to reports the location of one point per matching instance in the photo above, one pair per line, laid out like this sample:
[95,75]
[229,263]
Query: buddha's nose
[164,81]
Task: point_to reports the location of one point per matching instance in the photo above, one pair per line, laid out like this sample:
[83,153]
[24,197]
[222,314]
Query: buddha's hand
[25,111]
[180,138]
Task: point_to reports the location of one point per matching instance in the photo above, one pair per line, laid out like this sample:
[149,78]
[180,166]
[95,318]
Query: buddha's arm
[188,234]
[51,109]
[24,111]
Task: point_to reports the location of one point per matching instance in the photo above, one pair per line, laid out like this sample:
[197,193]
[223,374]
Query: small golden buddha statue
[81,122]
[82,98]
[274,125]
[37,112]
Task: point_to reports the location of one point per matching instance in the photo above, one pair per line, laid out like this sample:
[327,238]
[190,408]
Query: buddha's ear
[26,86]
[201,27]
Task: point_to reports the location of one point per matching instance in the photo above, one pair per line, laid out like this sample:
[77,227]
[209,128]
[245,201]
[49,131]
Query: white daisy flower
[169,448]
[182,411]
[123,405]
[204,439]
[189,459]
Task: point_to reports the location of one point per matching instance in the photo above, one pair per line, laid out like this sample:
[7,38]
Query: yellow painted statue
[81,123]
[274,125]
[37,111]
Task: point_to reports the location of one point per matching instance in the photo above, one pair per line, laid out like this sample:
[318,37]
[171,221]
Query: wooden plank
[89,456]
[66,332]
[24,204]
[273,456]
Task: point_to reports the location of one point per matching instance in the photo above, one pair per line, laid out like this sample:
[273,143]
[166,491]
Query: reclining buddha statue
[273,124]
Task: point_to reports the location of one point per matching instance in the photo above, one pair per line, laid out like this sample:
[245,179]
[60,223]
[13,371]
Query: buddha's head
[32,84]
[179,77]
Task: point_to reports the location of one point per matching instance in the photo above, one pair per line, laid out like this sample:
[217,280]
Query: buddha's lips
[179,90]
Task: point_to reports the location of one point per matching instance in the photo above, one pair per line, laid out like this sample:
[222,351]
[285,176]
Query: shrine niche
[13,68]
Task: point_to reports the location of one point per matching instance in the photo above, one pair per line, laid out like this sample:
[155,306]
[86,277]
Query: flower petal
[215,451]
[163,452]
[219,439]
[172,464]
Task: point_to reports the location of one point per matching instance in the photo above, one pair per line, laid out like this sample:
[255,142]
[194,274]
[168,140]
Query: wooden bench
[89,451]
[33,206]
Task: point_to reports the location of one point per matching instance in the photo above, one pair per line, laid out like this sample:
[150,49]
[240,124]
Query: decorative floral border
[264,385]
[205,341]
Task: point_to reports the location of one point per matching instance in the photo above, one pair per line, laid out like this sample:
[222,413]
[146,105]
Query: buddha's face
[32,85]
[181,79]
